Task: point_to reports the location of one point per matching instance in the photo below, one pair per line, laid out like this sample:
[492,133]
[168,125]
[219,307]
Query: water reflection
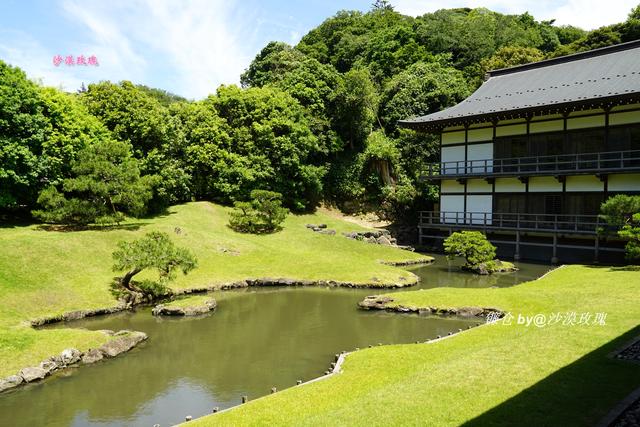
[257,339]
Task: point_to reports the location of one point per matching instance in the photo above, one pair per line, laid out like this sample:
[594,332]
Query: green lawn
[45,273]
[497,374]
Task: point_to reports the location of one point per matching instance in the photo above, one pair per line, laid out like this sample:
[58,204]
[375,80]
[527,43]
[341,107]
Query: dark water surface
[256,339]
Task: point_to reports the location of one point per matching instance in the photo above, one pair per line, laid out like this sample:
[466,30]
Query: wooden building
[529,157]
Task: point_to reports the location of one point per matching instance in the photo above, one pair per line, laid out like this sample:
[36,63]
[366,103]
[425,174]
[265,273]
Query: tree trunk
[125,280]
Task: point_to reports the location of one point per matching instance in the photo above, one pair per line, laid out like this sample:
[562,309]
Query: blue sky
[190,47]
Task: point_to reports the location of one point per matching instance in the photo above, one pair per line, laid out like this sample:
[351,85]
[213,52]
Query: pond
[256,339]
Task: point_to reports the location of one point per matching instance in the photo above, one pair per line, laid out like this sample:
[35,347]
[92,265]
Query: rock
[328,231]
[70,356]
[123,343]
[32,374]
[311,226]
[92,356]
[74,315]
[470,311]
[322,225]
[371,240]
[194,310]
[375,302]
[383,240]
[49,366]
[10,382]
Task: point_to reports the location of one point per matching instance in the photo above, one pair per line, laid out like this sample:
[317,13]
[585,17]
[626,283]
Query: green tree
[421,89]
[473,246]
[156,251]
[311,83]
[271,145]
[623,213]
[131,114]
[510,56]
[23,129]
[263,214]
[357,105]
[106,183]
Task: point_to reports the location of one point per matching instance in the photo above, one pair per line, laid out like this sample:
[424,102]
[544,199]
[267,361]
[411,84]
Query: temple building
[529,157]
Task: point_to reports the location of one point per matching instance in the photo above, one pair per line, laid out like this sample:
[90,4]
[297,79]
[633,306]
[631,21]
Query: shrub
[473,246]
[263,214]
[623,212]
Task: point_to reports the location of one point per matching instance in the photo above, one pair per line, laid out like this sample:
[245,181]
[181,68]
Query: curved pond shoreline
[265,283]
[51,366]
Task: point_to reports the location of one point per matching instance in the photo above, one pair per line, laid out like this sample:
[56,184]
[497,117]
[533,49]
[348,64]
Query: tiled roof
[595,76]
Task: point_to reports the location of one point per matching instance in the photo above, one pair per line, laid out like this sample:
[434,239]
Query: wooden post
[516,256]
[554,257]
[244,399]
[597,249]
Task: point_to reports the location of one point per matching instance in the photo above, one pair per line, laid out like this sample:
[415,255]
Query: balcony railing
[610,161]
[578,224]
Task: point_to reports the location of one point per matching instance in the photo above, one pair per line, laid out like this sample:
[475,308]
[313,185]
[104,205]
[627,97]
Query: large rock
[375,302]
[193,310]
[32,374]
[92,356]
[124,342]
[383,240]
[10,382]
[328,231]
[70,356]
[49,366]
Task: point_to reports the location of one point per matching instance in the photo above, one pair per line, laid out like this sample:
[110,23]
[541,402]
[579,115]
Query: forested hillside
[315,122]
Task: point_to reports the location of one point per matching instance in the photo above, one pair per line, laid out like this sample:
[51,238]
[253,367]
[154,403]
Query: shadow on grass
[580,394]
[71,228]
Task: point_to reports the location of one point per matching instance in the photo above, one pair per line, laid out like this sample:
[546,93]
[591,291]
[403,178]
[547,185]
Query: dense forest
[315,122]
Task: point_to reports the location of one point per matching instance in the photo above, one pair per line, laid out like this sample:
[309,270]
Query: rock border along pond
[121,342]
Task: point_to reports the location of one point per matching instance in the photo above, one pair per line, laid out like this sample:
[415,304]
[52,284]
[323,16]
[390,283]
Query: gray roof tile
[594,75]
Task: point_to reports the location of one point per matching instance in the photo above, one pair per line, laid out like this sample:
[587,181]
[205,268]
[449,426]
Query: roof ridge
[566,58]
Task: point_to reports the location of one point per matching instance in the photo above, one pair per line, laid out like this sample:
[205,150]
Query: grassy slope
[44,273]
[493,375]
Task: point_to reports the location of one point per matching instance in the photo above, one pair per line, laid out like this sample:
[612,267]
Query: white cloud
[200,44]
[21,50]
[587,14]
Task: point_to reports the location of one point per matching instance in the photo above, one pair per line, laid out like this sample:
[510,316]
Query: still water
[256,339]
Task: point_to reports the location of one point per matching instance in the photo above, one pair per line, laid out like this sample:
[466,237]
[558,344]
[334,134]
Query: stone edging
[375,302]
[73,356]
[420,261]
[122,342]
[620,409]
[336,367]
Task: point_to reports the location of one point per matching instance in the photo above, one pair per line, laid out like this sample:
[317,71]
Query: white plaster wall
[518,129]
[550,126]
[480,152]
[456,137]
[478,186]
[475,135]
[627,182]
[544,184]
[585,122]
[449,204]
[584,183]
[477,207]
[451,186]
[509,185]
[624,118]
[453,154]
